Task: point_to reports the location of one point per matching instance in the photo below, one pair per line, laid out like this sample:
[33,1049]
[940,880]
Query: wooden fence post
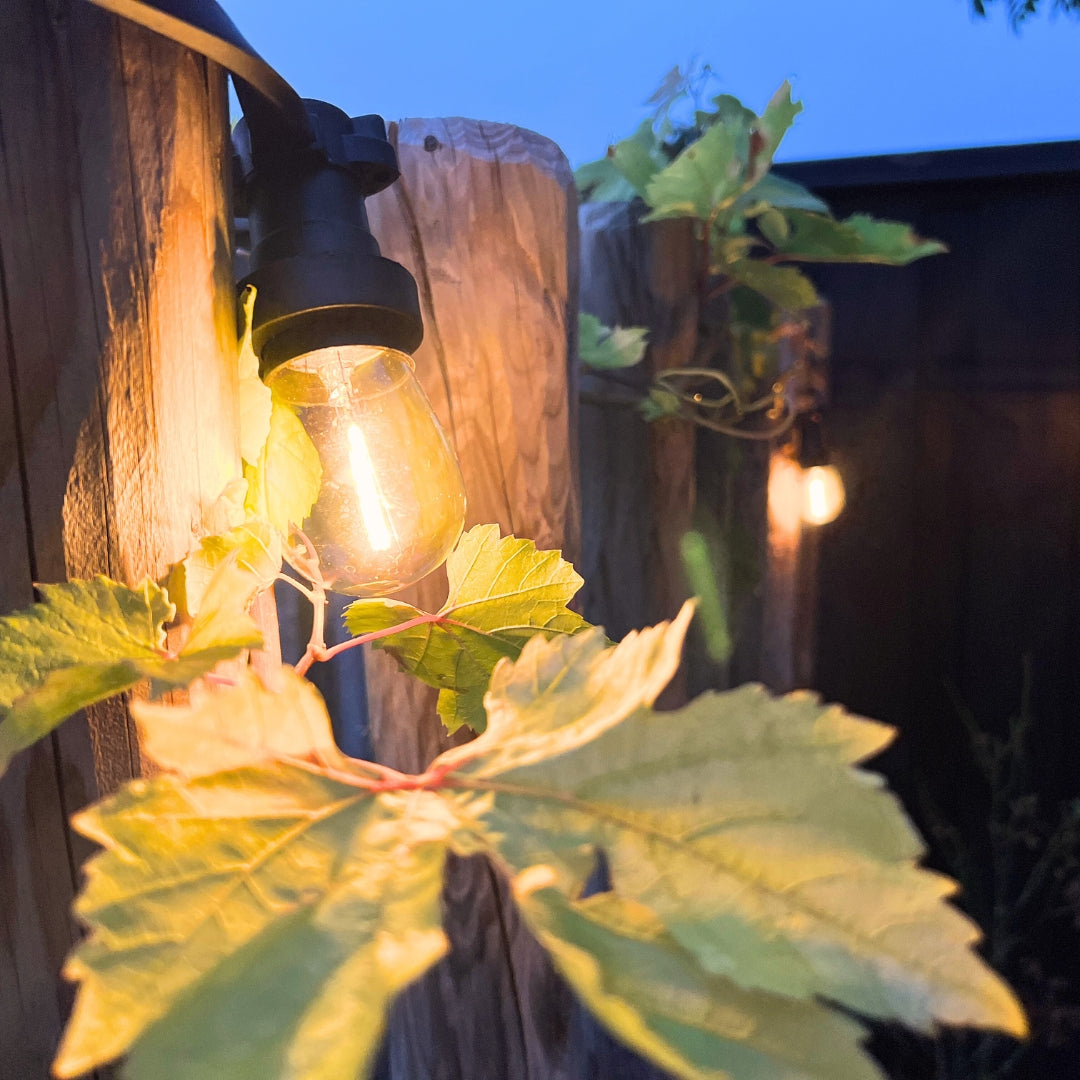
[117,410]
[645,485]
[484,215]
[638,480]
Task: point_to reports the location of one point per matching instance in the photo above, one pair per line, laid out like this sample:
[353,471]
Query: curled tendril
[708,410]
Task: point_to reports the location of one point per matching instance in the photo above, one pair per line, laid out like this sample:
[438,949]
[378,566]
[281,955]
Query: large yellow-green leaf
[742,823]
[88,640]
[652,994]
[503,591]
[284,482]
[810,237]
[553,701]
[253,924]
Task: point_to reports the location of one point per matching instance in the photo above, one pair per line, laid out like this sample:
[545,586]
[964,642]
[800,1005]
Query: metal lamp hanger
[306,168]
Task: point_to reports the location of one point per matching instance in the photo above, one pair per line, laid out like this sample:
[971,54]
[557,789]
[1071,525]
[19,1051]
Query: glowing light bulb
[392,501]
[823,495]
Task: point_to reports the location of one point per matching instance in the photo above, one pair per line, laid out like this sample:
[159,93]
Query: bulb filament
[372,509]
[819,508]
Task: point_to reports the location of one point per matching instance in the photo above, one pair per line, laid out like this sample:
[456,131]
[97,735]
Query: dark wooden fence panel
[955,419]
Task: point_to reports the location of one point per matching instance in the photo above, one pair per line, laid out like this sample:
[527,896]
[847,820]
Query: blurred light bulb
[392,501]
[823,495]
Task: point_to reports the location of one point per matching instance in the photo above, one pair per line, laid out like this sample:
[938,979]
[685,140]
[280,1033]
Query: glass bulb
[392,501]
[823,495]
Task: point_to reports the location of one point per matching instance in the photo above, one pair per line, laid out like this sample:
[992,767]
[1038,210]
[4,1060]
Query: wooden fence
[117,429]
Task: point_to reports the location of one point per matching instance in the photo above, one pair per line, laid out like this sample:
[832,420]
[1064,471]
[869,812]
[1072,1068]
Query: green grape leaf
[625,171]
[255,546]
[89,640]
[702,180]
[503,591]
[660,405]
[526,724]
[705,565]
[253,923]
[739,821]
[227,510]
[284,483]
[601,181]
[785,286]
[608,348]
[778,192]
[727,109]
[255,402]
[639,158]
[769,131]
[462,708]
[245,724]
[637,980]
[222,630]
[858,239]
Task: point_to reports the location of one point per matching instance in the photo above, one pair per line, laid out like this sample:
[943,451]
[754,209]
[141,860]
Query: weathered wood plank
[484,216]
[117,410]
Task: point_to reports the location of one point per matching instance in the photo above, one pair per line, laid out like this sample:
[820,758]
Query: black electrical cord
[274,111]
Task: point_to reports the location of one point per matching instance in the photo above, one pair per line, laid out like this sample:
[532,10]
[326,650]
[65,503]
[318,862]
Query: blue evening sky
[876,76]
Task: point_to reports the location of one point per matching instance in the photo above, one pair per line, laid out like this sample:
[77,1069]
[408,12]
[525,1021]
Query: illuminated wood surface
[116,411]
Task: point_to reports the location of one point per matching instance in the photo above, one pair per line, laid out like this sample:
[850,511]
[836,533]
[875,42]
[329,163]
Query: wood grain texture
[638,480]
[485,218]
[117,413]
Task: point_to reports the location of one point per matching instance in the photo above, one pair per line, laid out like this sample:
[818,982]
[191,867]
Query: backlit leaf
[253,924]
[254,396]
[739,821]
[254,545]
[503,591]
[556,700]
[861,239]
[222,629]
[89,640]
[284,483]
[245,724]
